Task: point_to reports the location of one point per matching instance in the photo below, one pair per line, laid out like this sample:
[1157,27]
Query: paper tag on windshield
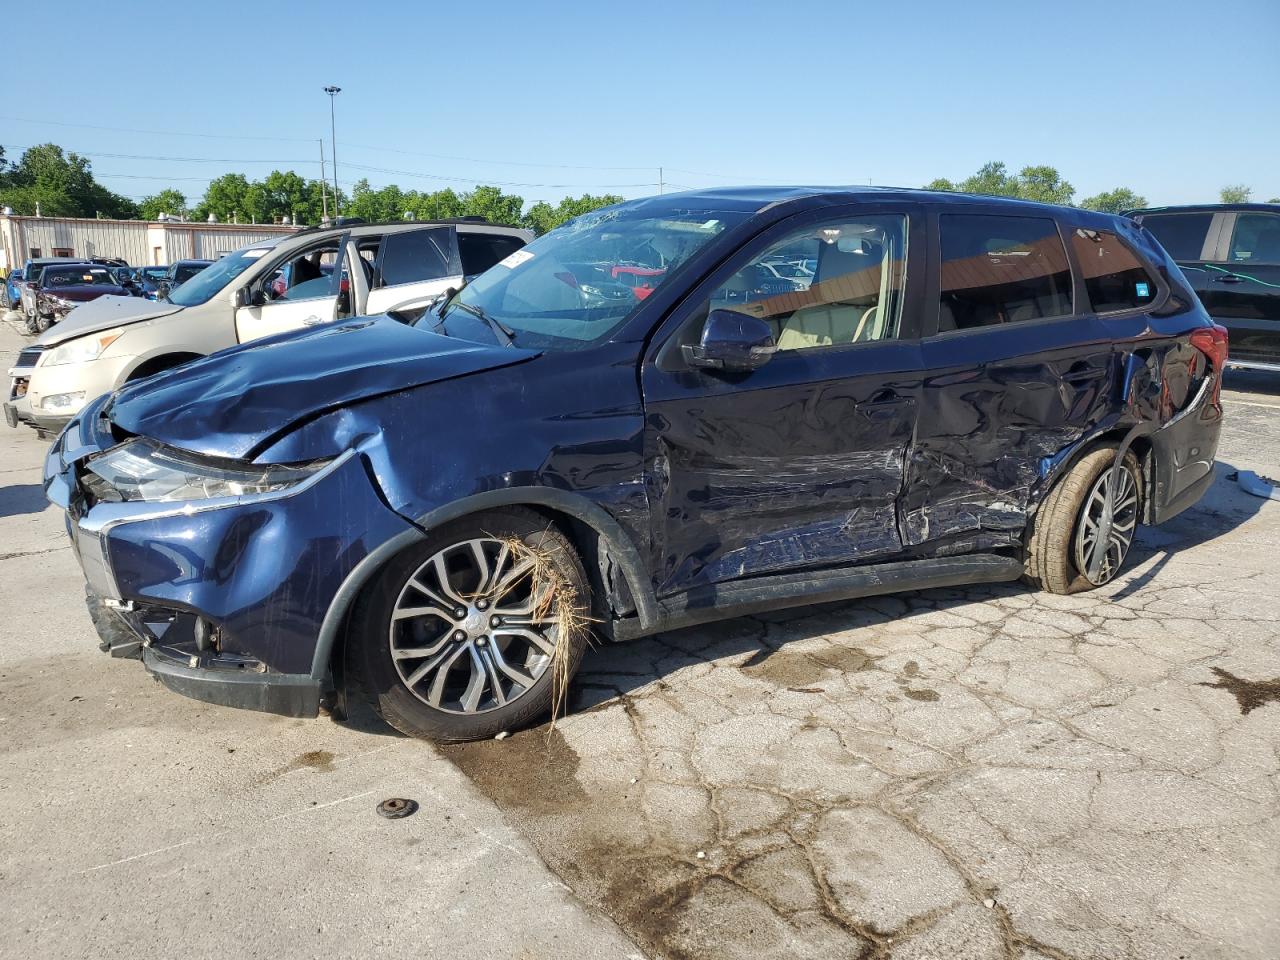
[515,259]
[255,254]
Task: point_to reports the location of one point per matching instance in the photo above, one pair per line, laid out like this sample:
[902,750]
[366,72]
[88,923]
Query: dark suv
[433,514]
[1231,255]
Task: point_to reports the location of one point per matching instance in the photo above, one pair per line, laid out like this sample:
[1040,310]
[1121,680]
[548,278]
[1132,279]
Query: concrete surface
[957,774]
[137,824]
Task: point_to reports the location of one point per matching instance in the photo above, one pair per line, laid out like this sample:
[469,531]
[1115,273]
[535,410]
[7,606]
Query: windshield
[200,288]
[577,284]
[77,277]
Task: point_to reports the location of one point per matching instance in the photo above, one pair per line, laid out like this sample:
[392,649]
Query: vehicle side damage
[800,404]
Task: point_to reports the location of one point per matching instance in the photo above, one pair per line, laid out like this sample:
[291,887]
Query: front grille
[29,357]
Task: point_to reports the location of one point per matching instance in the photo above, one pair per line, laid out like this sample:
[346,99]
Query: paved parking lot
[956,774]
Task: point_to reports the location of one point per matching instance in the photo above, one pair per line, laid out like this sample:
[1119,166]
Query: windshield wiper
[505,336]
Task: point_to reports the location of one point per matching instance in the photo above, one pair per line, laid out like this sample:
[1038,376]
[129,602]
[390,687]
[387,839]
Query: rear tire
[469,664]
[1059,543]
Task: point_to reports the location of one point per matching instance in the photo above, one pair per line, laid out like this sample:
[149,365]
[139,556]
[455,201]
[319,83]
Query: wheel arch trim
[622,551]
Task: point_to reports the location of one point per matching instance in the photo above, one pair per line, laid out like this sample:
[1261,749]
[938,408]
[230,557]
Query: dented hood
[231,403]
[103,314]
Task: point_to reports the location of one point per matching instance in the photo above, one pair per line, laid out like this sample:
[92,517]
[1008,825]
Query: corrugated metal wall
[137,241]
[85,238]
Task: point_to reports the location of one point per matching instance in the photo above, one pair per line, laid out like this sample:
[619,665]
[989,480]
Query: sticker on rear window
[515,259]
[1142,289]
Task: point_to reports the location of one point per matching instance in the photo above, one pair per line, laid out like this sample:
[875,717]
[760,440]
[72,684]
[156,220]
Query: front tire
[1063,542]
[454,642]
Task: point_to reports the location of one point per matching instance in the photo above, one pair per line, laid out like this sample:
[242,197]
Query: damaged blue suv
[672,410]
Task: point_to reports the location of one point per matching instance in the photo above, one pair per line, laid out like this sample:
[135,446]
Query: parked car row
[305,278]
[385,483]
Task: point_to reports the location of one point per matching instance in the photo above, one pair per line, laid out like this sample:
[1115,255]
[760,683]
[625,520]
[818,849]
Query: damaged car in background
[433,516]
[303,279]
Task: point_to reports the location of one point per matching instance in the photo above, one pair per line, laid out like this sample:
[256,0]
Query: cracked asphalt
[955,774]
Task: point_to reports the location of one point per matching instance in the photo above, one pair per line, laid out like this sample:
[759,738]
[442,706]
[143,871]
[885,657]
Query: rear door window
[1113,275]
[1256,238]
[480,251]
[1181,234]
[414,256]
[998,270]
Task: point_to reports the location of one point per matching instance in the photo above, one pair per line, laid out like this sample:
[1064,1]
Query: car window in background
[855,295]
[1256,238]
[480,251]
[200,288]
[414,256]
[570,287]
[79,277]
[1181,234]
[1113,275]
[185,271]
[1001,270]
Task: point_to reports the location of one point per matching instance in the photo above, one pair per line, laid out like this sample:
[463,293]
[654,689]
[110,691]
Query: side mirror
[732,341]
[257,299]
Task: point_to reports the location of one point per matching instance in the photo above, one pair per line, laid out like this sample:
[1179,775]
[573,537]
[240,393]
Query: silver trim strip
[1252,365]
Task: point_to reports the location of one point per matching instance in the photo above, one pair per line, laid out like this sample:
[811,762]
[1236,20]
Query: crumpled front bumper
[226,596]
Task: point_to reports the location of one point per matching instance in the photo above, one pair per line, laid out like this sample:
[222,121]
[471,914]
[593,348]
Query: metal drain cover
[397,807]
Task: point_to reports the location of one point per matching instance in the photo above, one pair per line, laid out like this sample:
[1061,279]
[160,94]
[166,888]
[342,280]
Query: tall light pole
[333,92]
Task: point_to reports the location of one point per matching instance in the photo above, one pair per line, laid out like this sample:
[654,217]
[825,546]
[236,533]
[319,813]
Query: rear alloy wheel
[1065,550]
[1099,570]
[458,640]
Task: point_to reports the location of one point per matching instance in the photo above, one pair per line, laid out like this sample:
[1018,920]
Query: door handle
[1229,278]
[881,405]
[312,320]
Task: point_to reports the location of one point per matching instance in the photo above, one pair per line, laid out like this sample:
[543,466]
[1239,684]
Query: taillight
[1212,342]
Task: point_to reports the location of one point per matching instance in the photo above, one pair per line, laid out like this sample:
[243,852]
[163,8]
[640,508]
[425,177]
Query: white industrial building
[139,242]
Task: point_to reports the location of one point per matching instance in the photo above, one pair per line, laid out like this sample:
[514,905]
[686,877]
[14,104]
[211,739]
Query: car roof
[762,198]
[1208,208]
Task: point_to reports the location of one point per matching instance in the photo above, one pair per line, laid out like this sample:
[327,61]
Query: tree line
[60,183]
[1046,184]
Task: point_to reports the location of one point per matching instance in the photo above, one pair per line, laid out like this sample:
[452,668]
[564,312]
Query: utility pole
[324,187]
[333,92]
[661,185]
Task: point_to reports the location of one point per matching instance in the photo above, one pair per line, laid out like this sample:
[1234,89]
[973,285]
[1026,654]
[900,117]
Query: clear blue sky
[1172,99]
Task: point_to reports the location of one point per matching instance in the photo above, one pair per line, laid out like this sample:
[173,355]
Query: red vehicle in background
[641,280]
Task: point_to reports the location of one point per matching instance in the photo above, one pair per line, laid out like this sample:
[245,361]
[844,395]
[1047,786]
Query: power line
[503,183]
[506,163]
[159,133]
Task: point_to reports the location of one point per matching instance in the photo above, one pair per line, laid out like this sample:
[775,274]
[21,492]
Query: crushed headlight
[82,349]
[62,402]
[142,470]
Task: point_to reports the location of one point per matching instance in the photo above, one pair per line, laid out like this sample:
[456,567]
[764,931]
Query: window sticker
[1142,289]
[255,254]
[513,260]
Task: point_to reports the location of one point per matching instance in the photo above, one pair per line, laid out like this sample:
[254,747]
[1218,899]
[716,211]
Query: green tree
[376,206]
[61,185]
[169,202]
[1235,193]
[492,204]
[438,205]
[288,194]
[226,198]
[1114,201]
[542,216]
[1043,184]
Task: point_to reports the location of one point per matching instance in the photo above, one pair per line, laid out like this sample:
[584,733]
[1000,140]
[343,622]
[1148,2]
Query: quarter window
[1181,234]
[1113,275]
[826,285]
[480,251]
[1001,270]
[1256,239]
[414,256]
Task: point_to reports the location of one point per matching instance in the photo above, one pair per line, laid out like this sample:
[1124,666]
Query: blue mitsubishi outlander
[675,409]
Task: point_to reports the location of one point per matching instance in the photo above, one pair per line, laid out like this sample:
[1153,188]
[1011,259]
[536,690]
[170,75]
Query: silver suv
[270,287]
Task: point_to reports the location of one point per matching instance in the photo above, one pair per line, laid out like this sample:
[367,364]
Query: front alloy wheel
[467,634]
[458,638]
